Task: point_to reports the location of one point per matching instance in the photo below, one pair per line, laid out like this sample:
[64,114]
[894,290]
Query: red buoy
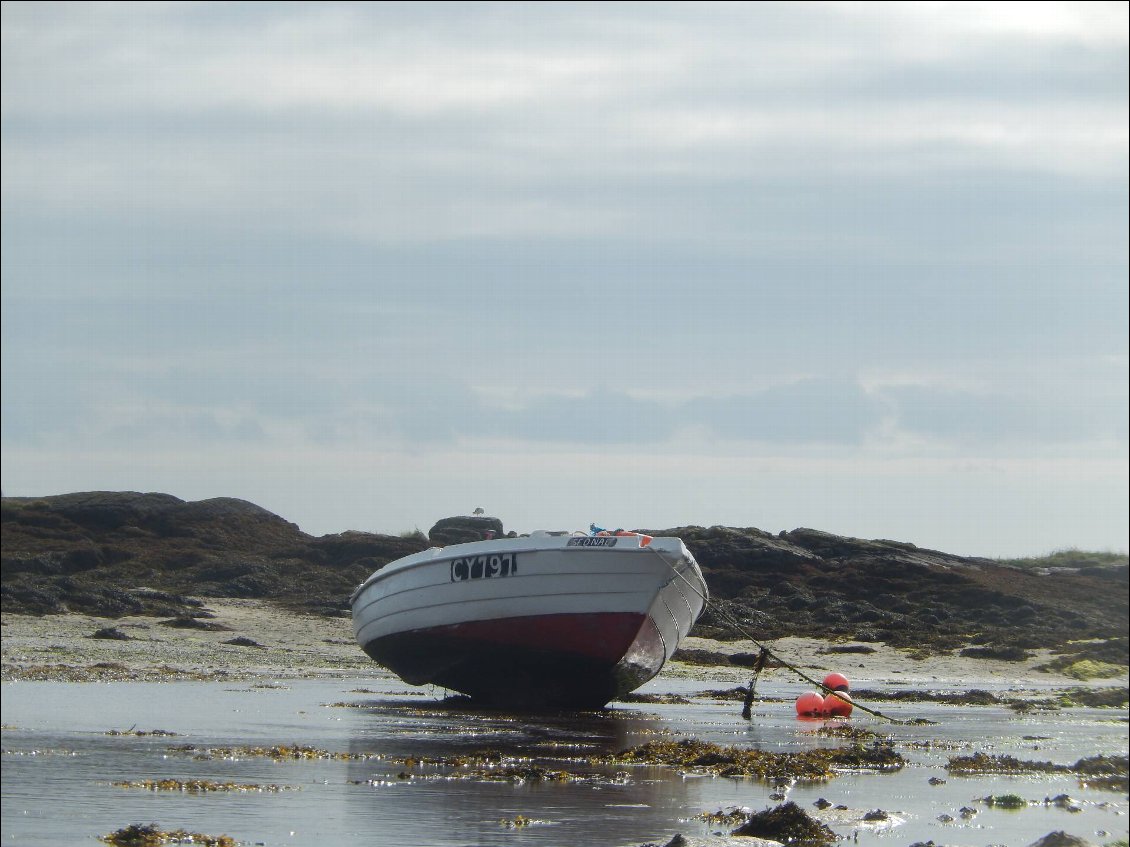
[837,705]
[810,705]
[836,682]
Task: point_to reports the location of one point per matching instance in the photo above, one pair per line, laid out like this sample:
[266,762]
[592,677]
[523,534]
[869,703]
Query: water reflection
[57,755]
[474,772]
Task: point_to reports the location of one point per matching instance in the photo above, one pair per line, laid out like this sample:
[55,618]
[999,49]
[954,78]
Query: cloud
[811,230]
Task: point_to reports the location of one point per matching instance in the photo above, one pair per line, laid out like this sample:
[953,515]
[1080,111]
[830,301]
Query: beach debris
[202,786]
[787,823]
[150,835]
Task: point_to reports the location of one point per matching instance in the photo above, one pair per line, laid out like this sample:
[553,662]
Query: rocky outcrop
[460,530]
[807,582]
[118,553]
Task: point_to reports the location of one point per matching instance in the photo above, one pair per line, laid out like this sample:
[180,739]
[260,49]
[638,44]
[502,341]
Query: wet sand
[306,664]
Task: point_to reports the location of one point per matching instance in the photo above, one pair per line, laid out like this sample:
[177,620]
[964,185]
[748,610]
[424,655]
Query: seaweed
[202,786]
[1005,801]
[811,765]
[789,824]
[278,752]
[1105,772]
[150,835]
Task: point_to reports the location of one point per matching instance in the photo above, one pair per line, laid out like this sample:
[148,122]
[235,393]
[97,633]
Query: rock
[463,529]
[195,623]
[345,548]
[1061,839]
[785,823]
[112,633]
[243,641]
[111,509]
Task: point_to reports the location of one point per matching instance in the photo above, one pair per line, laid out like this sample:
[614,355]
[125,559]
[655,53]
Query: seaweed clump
[278,752]
[201,786]
[984,763]
[150,835]
[1109,772]
[1005,801]
[811,765]
[789,824]
[1097,698]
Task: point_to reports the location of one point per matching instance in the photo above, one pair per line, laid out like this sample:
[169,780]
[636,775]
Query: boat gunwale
[405,563]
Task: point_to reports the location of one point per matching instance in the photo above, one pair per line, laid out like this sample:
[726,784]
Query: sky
[858,267]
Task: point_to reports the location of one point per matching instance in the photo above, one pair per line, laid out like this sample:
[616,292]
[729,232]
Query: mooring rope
[766,653]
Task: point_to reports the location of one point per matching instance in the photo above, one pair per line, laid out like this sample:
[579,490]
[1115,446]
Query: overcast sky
[855,267]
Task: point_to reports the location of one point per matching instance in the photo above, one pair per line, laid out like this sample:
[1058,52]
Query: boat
[549,619]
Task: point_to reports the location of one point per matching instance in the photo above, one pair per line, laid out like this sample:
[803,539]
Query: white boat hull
[532,621]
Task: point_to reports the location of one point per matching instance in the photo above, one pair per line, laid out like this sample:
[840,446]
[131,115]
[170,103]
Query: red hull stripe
[603,637]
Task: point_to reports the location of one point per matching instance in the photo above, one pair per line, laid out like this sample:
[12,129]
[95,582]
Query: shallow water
[59,765]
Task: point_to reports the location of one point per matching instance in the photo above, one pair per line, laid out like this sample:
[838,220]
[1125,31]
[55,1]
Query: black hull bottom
[555,661]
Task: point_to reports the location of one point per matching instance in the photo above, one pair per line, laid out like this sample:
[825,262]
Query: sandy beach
[292,645]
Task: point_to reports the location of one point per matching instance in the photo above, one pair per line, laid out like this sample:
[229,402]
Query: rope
[766,653]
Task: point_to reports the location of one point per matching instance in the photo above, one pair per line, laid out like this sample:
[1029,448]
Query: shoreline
[296,645]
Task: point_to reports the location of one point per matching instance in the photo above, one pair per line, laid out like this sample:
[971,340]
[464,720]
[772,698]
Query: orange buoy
[838,705]
[836,682]
[810,705]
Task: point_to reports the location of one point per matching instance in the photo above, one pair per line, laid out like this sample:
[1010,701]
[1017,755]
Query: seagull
[478,511]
